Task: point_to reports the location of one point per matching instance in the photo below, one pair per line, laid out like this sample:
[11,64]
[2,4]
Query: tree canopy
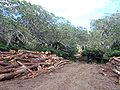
[27,26]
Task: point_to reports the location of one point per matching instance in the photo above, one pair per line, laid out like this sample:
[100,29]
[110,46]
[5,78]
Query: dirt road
[72,77]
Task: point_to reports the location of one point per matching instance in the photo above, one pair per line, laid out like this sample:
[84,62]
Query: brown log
[118,79]
[13,69]
[116,59]
[5,52]
[20,71]
[6,76]
[12,51]
[11,66]
[32,60]
[39,59]
[33,66]
[12,56]
[23,60]
[117,67]
[7,70]
[26,51]
[116,71]
[28,64]
[2,63]
[7,67]
[31,55]
[61,63]
[25,67]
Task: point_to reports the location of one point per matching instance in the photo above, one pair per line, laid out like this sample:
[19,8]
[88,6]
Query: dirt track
[72,77]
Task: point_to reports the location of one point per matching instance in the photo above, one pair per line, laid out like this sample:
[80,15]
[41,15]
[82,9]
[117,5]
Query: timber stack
[28,64]
[115,61]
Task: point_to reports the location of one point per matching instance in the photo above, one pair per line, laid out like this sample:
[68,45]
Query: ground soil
[73,76]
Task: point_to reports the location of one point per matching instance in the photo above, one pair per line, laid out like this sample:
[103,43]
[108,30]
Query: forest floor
[75,76]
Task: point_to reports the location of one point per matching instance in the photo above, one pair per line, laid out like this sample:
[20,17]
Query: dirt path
[72,77]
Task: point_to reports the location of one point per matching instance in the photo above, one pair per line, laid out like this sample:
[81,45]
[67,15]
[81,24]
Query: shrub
[3,47]
[93,55]
[116,45]
[115,53]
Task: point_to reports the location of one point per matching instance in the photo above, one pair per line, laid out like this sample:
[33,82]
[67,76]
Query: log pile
[115,61]
[28,64]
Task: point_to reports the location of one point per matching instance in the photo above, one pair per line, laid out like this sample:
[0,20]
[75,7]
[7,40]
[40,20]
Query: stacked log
[115,61]
[28,64]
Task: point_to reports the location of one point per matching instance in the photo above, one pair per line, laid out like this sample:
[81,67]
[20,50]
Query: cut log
[116,71]
[12,51]
[117,67]
[2,63]
[25,67]
[18,72]
[116,59]
[61,63]
[6,76]
[12,56]
[119,79]
[7,70]
[7,67]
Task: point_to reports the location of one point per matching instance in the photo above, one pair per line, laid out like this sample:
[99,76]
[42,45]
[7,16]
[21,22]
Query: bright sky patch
[79,12]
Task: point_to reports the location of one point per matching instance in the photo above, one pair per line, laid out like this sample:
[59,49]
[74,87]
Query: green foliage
[115,45]
[109,27]
[115,49]
[3,47]
[115,53]
[106,35]
[93,55]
